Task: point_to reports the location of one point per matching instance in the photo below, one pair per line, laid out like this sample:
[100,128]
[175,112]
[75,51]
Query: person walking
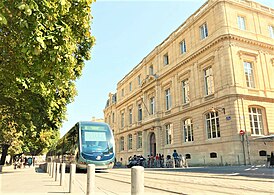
[175,157]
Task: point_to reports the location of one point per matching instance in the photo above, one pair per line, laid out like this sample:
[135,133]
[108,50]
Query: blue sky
[125,31]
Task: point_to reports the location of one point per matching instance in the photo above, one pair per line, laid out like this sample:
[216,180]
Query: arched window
[262,153]
[213,155]
[122,143]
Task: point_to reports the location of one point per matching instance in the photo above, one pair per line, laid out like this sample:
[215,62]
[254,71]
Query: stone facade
[211,78]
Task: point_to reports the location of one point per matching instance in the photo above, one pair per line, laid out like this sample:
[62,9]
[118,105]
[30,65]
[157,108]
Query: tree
[43,46]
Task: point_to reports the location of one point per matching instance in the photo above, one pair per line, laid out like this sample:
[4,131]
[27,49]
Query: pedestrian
[151,160]
[25,161]
[168,161]
[162,160]
[148,161]
[157,158]
[175,157]
[184,162]
[29,161]
[180,160]
[272,159]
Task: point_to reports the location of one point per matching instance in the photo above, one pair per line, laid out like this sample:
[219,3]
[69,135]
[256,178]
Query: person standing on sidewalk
[271,164]
[175,157]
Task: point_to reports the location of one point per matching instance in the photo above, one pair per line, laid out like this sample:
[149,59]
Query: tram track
[204,183]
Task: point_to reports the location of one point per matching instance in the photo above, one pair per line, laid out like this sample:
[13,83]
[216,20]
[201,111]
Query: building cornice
[214,42]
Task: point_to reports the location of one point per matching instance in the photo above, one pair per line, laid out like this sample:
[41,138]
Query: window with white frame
[152,105]
[203,31]
[151,71]
[169,133]
[130,116]
[256,120]
[139,80]
[271,31]
[166,60]
[188,130]
[183,46]
[249,77]
[241,23]
[130,86]
[185,91]
[168,99]
[122,120]
[209,84]
[140,112]
[122,143]
[212,125]
[139,140]
[129,142]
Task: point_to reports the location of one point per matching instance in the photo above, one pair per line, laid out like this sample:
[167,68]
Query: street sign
[242,132]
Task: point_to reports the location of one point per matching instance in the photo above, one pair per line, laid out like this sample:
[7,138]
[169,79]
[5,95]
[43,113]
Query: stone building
[211,79]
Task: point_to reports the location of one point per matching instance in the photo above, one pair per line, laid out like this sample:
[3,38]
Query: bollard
[47,167]
[137,180]
[71,178]
[53,170]
[57,171]
[91,179]
[63,171]
[50,168]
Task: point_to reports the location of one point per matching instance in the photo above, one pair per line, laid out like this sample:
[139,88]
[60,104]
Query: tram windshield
[96,138]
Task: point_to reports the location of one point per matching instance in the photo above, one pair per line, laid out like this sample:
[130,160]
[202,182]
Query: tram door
[152,144]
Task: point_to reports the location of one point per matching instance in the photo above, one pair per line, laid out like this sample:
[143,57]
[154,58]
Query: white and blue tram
[86,143]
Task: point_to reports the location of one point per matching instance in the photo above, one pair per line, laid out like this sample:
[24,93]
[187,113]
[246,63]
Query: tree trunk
[5,148]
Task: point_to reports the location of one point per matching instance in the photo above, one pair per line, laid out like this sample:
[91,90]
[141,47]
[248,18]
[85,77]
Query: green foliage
[43,45]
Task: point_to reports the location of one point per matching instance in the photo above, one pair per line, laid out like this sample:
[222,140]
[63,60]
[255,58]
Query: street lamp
[218,109]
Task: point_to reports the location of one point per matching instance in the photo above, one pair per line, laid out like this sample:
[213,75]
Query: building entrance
[152,144]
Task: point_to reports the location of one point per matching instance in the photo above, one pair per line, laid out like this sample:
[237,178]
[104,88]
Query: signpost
[242,133]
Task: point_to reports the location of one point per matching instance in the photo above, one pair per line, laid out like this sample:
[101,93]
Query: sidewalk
[29,181]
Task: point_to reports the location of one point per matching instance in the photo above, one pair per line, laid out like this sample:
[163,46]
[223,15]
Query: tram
[86,143]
